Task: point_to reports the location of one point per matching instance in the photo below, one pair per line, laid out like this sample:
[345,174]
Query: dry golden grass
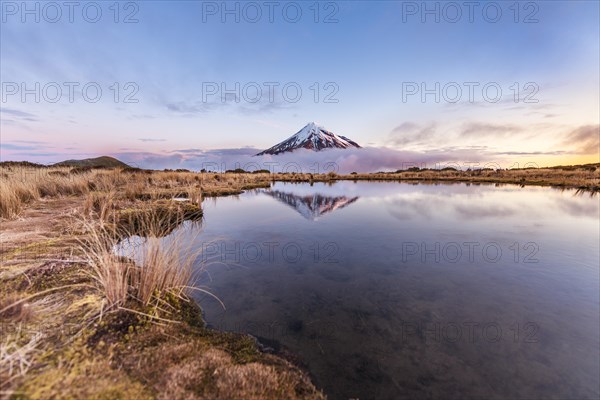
[100,204]
[585,177]
[135,260]
[164,268]
[578,177]
[22,185]
[155,267]
[110,274]
[16,352]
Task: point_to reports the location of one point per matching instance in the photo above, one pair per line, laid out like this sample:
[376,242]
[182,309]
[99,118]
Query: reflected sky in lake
[397,290]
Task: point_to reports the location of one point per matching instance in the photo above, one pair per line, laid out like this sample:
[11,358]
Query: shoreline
[60,339]
[56,323]
[584,177]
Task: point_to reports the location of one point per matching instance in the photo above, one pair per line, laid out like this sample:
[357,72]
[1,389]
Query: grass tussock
[143,273]
[110,274]
[164,269]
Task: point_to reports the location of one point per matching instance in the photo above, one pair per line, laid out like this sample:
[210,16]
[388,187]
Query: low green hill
[103,162]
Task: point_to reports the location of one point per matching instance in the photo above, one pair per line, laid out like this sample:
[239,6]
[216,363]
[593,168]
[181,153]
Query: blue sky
[363,59]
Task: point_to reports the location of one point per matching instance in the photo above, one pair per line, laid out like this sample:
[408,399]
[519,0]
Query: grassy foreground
[76,321]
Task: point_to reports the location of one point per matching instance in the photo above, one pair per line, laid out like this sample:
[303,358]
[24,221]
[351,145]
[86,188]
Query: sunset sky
[367,59]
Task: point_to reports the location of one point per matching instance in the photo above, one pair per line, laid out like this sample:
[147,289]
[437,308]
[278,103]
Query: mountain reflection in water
[439,291]
[312,206]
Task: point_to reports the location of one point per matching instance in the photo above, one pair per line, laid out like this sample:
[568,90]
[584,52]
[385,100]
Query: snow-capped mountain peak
[312,137]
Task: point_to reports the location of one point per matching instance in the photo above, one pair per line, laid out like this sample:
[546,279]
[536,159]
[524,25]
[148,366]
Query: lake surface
[399,290]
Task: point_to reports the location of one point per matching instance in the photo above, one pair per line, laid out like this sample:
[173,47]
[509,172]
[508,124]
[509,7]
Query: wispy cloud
[234,152]
[30,142]
[265,103]
[191,108]
[412,133]
[142,116]
[24,145]
[480,129]
[242,151]
[151,140]
[265,106]
[11,146]
[532,153]
[18,114]
[36,154]
[584,140]
[188,151]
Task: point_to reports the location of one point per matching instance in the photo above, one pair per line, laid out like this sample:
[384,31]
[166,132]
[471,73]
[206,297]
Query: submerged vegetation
[86,314]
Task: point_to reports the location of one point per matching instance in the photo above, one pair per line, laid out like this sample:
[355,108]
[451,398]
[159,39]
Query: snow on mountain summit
[312,137]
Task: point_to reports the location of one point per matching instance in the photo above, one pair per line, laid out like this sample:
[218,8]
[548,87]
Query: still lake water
[398,290]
